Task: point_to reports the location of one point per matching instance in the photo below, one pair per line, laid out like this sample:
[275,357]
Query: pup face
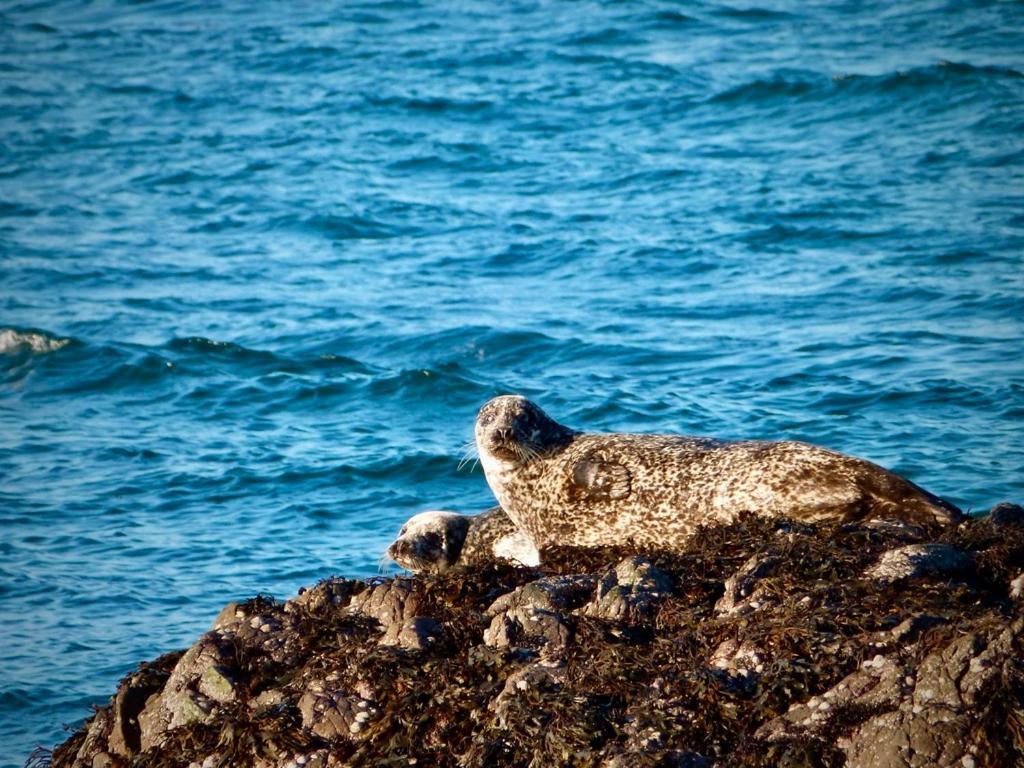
[430,541]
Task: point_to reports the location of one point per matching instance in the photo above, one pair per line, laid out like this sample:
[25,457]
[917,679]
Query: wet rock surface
[920,560]
[761,644]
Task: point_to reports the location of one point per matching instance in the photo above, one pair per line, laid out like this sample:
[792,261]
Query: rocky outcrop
[762,644]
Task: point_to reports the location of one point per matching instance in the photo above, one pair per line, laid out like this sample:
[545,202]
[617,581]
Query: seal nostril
[505,433]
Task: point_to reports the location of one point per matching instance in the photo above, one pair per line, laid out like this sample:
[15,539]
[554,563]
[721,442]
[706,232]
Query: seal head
[510,431]
[430,541]
[437,541]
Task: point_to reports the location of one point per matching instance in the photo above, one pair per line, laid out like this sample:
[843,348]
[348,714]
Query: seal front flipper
[594,478]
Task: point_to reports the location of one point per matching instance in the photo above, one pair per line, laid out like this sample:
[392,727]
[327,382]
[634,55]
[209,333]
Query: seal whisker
[469,454]
[471,460]
[526,453]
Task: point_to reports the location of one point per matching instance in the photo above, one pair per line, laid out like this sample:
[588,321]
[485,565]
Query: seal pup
[437,540]
[568,488]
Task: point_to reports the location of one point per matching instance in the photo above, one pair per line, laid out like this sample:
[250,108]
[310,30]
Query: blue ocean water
[260,263]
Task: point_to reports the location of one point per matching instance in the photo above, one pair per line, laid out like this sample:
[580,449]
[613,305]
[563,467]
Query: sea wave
[15,341]
[255,291]
[800,85]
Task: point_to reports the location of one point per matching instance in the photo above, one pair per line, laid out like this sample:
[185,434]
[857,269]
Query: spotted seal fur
[567,488]
[436,541]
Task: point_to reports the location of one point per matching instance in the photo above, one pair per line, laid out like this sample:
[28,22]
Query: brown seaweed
[747,658]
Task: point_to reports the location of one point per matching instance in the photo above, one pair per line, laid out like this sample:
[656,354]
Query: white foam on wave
[12,341]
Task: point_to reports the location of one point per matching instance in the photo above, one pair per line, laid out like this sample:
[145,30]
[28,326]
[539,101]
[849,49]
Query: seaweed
[763,619]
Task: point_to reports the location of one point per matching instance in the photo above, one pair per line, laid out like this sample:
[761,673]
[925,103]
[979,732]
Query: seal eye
[405,529]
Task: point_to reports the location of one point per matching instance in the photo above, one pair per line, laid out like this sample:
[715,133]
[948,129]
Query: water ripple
[260,266]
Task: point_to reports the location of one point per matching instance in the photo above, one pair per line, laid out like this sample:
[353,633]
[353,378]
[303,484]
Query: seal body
[437,540]
[493,536]
[566,488]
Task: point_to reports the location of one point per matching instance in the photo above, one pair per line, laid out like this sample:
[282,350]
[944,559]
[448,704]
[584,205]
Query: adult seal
[437,540]
[567,488]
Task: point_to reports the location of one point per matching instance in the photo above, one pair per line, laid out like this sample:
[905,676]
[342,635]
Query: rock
[610,660]
[261,626]
[1005,513]
[125,735]
[533,614]
[738,660]
[907,631]
[186,697]
[917,560]
[543,675]
[879,683]
[416,634]
[910,629]
[394,604]
[739,598]
[903,740]
[328,595]
[271,697]
[388,602]
[334,715]
[1017,587]
[929,714]
[216,683]
[897,530]
[630,592]
[552,594]
[94,743]
[319,758]
[229,616]
[527,625]
[639,573]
